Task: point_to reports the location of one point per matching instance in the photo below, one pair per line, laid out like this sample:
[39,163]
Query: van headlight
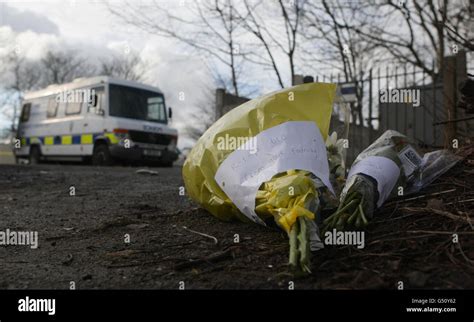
[173,142]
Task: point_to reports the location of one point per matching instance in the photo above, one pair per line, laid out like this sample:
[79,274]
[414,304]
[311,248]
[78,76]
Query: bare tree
[26,73]
[129,67]
[276,26]
[354,36]
[211,29]
[340,49]
[460,30]
[415,32]
[63,66]
[19,75]
[291,14]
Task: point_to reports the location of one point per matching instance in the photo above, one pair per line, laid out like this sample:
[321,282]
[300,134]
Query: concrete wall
[225,102]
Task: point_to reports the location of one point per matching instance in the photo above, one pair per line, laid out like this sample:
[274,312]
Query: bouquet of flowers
[390,166]
[280,170]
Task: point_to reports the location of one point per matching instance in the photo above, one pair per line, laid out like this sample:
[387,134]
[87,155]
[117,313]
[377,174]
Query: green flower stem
[333,216]
[303,246]
[353,216]
[293,260]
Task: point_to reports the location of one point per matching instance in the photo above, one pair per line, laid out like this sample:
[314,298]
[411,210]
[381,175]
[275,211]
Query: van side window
[25,112]
[95,101]
[52,110]
[156,108]
[74,107]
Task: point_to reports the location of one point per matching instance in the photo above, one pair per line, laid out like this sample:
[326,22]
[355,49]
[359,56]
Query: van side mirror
[170,113]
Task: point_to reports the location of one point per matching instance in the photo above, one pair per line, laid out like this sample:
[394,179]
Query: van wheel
[101,156]
[35,155]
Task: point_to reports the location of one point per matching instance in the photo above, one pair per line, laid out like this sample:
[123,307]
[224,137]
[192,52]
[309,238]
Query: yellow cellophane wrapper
[286,197]
[306,102]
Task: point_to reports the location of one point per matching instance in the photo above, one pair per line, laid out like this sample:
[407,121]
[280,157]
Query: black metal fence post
[433,92]
[371,127]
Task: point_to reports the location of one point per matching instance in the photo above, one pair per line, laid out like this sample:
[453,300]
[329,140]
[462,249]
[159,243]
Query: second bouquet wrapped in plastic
[267,160]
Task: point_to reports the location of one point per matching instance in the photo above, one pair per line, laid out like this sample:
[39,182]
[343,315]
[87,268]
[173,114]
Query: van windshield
[136,104]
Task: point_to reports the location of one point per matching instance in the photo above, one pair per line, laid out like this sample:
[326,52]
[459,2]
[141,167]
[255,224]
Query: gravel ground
[83,238]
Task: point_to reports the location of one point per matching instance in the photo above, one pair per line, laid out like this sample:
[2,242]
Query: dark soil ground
[82,237]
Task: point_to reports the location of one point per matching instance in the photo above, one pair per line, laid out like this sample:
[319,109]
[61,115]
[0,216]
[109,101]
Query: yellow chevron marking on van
[49,140]
[111,136]
[87,139]
[66,139]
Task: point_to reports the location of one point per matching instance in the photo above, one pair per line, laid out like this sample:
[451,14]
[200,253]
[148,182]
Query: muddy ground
[82,237]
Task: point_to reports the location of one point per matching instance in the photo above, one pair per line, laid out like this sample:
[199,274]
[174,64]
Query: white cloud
[182,78]
[174,71]
[24,20]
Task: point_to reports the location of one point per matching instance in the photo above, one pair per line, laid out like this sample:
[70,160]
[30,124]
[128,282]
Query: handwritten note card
[290,145]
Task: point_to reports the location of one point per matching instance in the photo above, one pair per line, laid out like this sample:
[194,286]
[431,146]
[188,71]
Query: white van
[100,119]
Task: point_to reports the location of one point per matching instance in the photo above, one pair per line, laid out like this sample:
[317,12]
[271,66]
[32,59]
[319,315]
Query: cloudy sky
[87,25]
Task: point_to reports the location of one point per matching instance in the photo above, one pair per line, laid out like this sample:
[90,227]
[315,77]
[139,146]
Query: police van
[100,120]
